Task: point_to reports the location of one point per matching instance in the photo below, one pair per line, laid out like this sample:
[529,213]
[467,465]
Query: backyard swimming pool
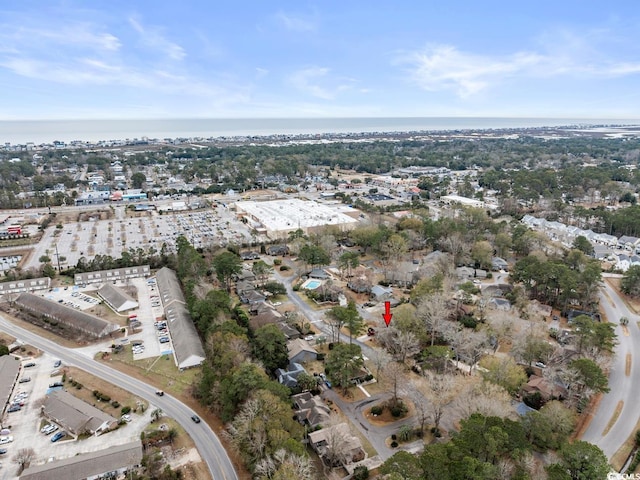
[311,284]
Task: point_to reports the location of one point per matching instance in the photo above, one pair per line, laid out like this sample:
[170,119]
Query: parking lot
[213,226]
[25,424]
[147,339]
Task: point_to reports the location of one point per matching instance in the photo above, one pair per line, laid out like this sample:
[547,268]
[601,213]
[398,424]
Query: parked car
[49,429]
[24,380]
[30,364]
[58,436]
[56,384]
[57,364]
[3,451]
[14,408]
[5,440]
[195,418]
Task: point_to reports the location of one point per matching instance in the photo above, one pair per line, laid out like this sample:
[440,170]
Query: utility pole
[58,257]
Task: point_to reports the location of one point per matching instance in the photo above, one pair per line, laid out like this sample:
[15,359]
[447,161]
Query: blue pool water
[312,284]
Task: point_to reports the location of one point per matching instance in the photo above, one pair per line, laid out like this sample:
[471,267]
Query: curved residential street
[624,385]
[352,410]
[205,439]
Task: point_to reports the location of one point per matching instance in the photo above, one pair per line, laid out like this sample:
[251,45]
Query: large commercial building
[9,370]
[116,298]
[91,325]
[75,415]
[115,275]
[187,346]
[28,285]
[108,463]
[276,218]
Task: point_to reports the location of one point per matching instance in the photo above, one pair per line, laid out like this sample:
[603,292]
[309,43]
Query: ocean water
[48,131]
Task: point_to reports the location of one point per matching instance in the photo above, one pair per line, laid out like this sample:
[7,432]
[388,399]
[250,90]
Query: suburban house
[249,256]
[289,377]
[498,263]
[310,410]
[500,303]
[380,293]
[336,445]
[318,273]
[359,285]
[545,388]
[403,274]
[278,250]
[300,351]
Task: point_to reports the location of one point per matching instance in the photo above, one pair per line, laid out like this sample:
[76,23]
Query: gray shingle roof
[9,369]
[77,319]
[87,464]
[75,415]
[116,298]
[186,341]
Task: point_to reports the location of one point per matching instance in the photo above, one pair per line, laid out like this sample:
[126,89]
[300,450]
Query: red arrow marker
[387,313]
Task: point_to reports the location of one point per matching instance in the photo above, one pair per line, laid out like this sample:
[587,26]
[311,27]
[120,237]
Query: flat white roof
[291,214]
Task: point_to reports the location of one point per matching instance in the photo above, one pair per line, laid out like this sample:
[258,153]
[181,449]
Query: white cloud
[153,39]
[315,81]
[444,67]
[295,23]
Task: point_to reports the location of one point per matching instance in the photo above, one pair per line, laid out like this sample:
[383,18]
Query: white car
[4,440]
[49,429]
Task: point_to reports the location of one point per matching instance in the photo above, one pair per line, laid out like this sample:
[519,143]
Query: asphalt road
[623,388]
[205,439]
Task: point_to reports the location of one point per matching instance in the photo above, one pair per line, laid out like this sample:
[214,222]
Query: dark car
[30,364]
[195,418]
[57,364]
[160,393]
[3,451]
[58,436]
[56,384]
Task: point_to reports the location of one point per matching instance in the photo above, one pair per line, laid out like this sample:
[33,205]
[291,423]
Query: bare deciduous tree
[442,389]
[485,398]
[420,403]
[400,344]
[380,358]
[23,458]
[283,464]
[394,374]
[433,310]
[468,345]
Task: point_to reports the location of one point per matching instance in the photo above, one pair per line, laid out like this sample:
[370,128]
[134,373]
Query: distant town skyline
[113,59]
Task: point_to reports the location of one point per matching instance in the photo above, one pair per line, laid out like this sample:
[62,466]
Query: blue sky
[167,59]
